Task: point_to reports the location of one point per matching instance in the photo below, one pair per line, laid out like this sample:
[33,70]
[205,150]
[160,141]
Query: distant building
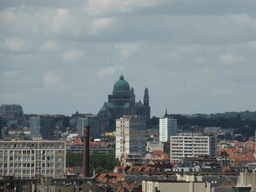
[34,123]
[154,146]
[74,118]
[42,125]
[130,136]
[1,128]
[30,159]
[167,128]
[192,145]
[215,130]
[92,121]
[11,111]
[120,103]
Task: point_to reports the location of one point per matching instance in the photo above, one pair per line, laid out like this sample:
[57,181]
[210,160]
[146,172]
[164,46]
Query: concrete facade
[167,128]
[130,136]
[192,145]
[31,159]
[175,186]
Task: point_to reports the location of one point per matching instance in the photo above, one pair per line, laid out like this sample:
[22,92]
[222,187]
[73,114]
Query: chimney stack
[86,151]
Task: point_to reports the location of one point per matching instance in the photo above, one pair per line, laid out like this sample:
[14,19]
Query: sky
[195,56]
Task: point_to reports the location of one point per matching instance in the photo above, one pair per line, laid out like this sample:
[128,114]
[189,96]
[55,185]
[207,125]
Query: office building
[92,121]
[130,136]
[34,124]
[192,145]
[167,128]
[30,159]
[42,126]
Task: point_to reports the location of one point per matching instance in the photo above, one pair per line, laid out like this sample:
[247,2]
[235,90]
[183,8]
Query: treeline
[100,163]
[226,120]
[222,122]
[243,123]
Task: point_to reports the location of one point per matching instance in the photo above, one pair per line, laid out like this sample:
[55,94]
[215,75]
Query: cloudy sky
[195,56]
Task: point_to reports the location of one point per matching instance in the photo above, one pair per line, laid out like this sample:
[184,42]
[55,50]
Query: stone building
[122,102]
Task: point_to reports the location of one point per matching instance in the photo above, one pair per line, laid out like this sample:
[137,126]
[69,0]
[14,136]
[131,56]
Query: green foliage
[74,159]
[244,123]
[99,162]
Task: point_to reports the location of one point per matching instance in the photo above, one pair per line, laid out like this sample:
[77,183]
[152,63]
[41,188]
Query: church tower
[122,102]
[146,98]
[132,97]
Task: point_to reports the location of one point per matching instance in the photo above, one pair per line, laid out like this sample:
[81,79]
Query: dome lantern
[121,85]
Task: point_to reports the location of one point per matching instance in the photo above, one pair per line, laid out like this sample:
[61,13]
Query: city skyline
[194,56]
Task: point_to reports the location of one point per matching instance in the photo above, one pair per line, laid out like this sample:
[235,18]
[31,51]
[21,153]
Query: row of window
[19,152]
[29,158]
[28,172]
[28,145]
[29,165]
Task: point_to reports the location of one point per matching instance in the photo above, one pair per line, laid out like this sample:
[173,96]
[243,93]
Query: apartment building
[30,159]
[192,145]
[130,136]
[167,128]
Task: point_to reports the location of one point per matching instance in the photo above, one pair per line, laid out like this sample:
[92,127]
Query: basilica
[120,103]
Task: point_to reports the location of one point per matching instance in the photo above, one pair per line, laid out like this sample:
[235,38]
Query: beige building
[32,159]
[130,136]
[175,186]
[192,145]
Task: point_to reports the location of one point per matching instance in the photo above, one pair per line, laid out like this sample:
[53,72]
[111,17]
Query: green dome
[121,85]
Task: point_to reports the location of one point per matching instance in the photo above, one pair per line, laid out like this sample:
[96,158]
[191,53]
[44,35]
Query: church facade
[122,102]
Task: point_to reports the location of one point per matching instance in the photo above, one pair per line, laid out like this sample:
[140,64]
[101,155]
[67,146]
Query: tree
[99,163]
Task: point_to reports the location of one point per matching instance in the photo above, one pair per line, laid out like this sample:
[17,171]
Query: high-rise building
[130,136]
[120,103]
[34,124]
[31,159]
[167,128]
[192,145]
[92,121]
[42,125]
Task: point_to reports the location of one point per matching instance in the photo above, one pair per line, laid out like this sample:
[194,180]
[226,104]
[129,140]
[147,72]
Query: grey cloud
[194,56]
